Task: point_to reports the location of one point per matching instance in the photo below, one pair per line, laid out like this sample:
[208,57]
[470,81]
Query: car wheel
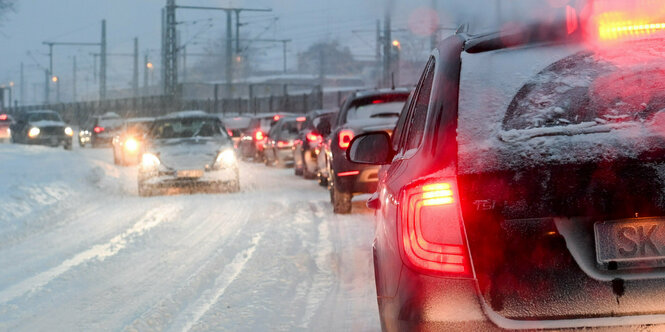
[323,181]
[68,146]
[145,190]
[297,171]
[340,200]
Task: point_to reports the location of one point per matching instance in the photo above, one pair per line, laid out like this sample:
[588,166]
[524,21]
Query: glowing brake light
[432,232]
[345,137]
[378,102]
[3,117]
[98,129]
[282,144]
[259,136]
[620,19]
[276,117]
[312,137]
[228,131]
[301,119]
[612,31]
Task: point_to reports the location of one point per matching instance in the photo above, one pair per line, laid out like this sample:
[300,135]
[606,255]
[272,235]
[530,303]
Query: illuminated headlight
[33,132]
[69,131]
[149,161]
[225,159]
[132,145]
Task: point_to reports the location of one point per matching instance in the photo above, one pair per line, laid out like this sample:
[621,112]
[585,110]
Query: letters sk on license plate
[640,241]
[194,173]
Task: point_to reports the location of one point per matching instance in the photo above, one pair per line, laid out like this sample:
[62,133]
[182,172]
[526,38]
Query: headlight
[225,159]
[69,131]
[33,132]
[132,145]
[149,161]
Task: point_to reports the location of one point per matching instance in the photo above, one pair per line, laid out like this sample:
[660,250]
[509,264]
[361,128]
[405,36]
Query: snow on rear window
[560,104]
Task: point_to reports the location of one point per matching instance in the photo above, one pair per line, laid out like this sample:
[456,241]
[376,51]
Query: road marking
[230,273]
[99,252]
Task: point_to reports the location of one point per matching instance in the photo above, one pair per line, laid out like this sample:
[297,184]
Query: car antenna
[392,78]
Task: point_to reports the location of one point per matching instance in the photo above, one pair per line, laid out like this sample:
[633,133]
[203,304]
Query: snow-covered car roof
[186,114]
[134,120]
[558,104]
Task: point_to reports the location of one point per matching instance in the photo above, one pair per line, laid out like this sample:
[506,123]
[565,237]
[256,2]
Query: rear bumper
[426,303]
[365,182]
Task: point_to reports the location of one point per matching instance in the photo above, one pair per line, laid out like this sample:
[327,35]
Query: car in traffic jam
[100,130]
[128,143]
[363,111]
[540,206]
[308,144]
[5,123]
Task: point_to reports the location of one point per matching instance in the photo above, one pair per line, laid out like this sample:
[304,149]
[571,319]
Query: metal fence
[77,113]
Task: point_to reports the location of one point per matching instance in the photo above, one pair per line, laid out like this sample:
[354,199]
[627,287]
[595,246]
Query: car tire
[341,201]
[145,190]
[297,171]
[68,146]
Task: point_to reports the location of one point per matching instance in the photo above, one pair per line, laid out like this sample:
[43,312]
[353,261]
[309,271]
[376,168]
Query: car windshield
[44,116]
[110,122]
[236,122]
[186,127]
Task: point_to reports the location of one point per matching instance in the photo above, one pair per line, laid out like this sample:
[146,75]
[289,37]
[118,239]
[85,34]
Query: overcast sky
[352,22]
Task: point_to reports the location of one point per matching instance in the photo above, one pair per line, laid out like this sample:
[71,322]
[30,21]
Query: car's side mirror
[371,148]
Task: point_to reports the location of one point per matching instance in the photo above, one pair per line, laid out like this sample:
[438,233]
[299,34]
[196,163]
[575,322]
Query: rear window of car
[236,122]
[110,122]
[375,109]
[560,104]
[186,127]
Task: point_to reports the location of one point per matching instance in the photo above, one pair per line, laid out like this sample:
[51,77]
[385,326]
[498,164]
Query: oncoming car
[128,141]
[524,187]
[41,127]
[190,150]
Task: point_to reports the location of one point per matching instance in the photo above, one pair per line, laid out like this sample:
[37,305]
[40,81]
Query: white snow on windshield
[380,110]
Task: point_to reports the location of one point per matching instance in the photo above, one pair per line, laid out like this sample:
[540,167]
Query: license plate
[193,173]
[635,242]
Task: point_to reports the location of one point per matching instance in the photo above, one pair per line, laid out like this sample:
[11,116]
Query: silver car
[189,150]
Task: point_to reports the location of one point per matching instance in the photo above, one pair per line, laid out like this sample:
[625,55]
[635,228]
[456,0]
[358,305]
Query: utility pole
[284,53]
[172,47]
[184,64]
[171,51]
[22,87]
[387,50]
[435,34]
[102,64]
[162,70]
[135,80]
[145,75]
[47,78]
[229,54]
[74,80]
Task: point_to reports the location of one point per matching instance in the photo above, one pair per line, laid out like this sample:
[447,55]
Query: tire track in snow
[99,252]
[323,280]
[206,302]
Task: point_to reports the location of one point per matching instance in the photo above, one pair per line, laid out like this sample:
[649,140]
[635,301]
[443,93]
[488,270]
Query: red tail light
[98,129]
[345,137]
[312,137]
[276,118]
[433,237]
[3,117]
[301,119]
[228,131]
[259,136]
[282,144]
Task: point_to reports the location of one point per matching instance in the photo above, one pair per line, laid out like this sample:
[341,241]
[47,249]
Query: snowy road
[79,250]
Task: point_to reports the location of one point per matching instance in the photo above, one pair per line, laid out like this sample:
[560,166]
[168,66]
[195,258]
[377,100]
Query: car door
[407,138]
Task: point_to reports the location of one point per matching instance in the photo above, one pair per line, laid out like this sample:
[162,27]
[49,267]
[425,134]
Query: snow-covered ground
[79,250]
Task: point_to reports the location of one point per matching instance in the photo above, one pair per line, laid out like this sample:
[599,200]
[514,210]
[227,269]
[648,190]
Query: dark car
[235,125]
[363,111]
[254,137]
[190,150]
[524,188]
[5,122]
[128,141]
[100,130]
[278,149]
[307,145]
[41,127]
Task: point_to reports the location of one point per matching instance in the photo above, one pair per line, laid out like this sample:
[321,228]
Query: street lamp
[56,80]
